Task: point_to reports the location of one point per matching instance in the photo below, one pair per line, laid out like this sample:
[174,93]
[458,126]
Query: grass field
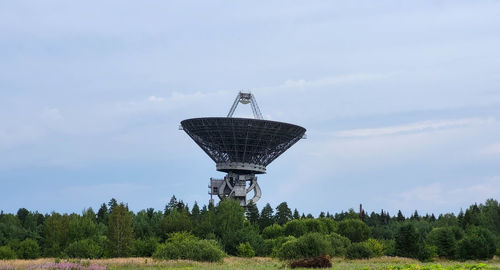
[229,263]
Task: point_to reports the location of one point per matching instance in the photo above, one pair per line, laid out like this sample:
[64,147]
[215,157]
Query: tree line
[209,232]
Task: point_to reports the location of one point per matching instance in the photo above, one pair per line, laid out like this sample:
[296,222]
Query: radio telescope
[241,147]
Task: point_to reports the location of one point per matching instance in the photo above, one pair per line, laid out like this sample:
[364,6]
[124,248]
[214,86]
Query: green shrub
[308,245]
[427,253]
[245,250]
[339,244]
[271,246]
[145,247]
[28,249]
[359,251]
[295,227]
[329,224]
[389,247]
[314,225]
[187,246]
[376,246]
[6,253]
[354,229]
[86,248]
[273,231]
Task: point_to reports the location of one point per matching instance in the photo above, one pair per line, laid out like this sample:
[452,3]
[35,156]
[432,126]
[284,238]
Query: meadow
[385,263]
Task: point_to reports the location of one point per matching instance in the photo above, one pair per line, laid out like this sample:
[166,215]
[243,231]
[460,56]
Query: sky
[400,99]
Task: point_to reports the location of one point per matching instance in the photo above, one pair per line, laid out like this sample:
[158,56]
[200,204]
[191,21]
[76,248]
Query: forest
[210,233]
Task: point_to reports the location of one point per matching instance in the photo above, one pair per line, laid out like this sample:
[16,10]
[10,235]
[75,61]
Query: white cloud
[412,127]
[51,114]
[492,149]
[156,99]
[439,195]
[336,80]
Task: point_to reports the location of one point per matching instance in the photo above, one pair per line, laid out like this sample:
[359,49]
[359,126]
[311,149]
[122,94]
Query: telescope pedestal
[235,186]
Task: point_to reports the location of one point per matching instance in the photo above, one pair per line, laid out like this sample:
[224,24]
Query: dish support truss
[246,98]
[235,186]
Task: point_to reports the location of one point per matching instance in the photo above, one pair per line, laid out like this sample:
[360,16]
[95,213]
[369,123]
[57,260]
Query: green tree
[443,239]
[283,213]
[55,234]
[400,217]
[354,229]
[296,214]
[252,213]
[407,241]
[176,221]
[120,231]
[229,220]
[478,243]
[266,216]
[102,214]
[28,249]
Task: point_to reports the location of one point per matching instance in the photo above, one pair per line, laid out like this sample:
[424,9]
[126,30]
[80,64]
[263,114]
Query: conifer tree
[283,213]
[400,217]
[252,213]
[266,216]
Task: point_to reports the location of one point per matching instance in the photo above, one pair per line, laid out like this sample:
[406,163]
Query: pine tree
[112,204]
[102,214]
[266,216]
[400,217]
[283,213]
[252,213]
[171,205]
[296,214]
[120,231]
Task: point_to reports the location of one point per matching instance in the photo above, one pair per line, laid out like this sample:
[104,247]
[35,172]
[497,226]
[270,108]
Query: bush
[308,245]
[339,244]
[314,225]
[359,251]
[6,253]
[354,229]
[376,246]
[389,247]
[427,253]
[273,231]
[295,227]
[188,247]
[245,250]
[329,224]
[86,248]
[28,249]
[270,247]
[145,247]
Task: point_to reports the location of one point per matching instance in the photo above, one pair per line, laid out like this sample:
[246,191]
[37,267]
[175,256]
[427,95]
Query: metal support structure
[246,98]
[235,186]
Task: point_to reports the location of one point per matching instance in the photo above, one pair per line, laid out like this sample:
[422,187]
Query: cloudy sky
[401,100]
